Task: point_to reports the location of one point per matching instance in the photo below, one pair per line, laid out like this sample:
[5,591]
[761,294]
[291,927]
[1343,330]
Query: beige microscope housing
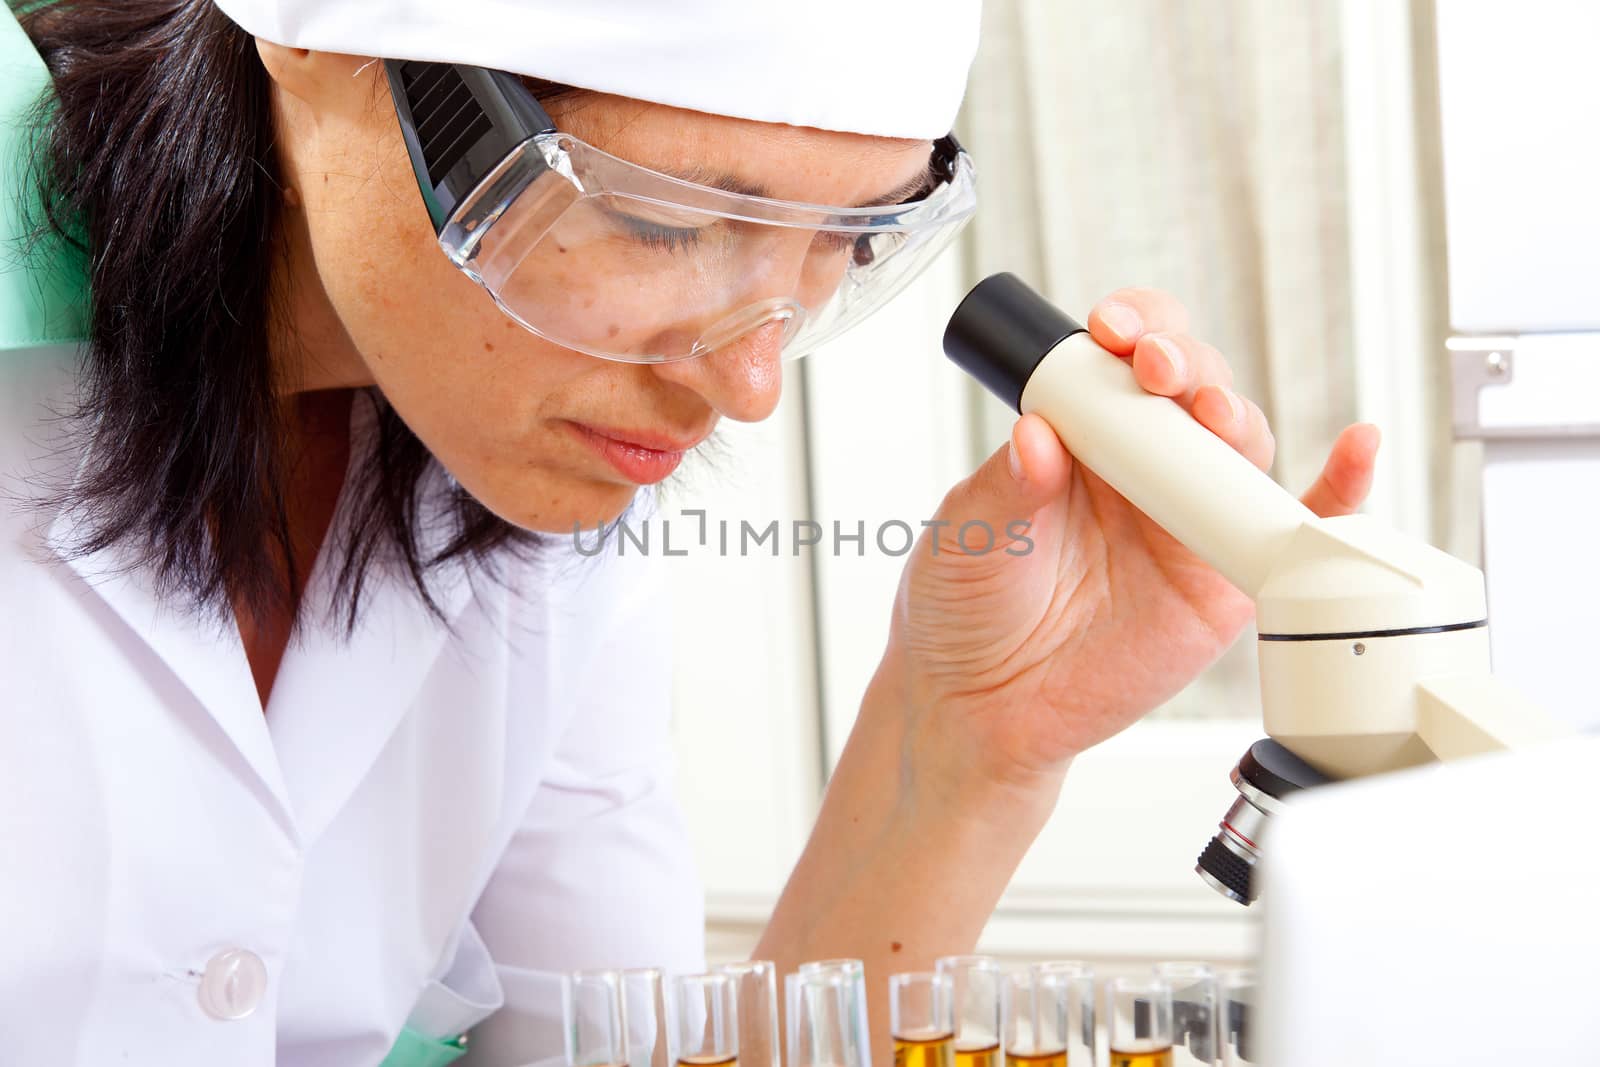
[1374,646]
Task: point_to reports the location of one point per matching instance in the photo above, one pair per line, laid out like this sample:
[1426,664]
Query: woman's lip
[635,462]
[644,439]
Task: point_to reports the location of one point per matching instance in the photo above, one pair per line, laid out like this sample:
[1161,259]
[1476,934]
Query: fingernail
[1174,356]
[1014,461]
[1122,320]
[1235,406]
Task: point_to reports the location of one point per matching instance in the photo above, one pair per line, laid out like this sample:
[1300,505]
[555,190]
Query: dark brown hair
[155,162]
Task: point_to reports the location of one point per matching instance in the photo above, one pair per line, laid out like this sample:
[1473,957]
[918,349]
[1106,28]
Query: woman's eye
[857,246]
[836,242]
[654,235]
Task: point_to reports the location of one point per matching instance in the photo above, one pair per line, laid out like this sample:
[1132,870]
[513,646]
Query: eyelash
[675,239]
[838,242]
[662,238]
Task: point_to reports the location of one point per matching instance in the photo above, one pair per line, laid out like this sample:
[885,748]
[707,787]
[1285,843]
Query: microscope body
[1346,695]
[1374,654]
[1374,646]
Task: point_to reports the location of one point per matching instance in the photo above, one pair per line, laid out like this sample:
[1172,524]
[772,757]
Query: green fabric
[44,292]
[414,1050]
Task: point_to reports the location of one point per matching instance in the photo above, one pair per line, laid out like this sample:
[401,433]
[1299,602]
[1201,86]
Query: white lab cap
[894,68]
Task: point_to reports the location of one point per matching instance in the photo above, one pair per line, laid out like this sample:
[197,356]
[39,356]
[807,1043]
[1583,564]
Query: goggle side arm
[459,122]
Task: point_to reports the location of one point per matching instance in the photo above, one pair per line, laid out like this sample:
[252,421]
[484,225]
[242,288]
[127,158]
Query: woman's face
[533,430]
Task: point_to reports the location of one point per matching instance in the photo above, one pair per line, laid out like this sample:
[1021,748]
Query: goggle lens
[578,257]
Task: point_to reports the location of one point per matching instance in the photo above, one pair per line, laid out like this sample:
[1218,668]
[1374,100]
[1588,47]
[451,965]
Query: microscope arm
[1469,715]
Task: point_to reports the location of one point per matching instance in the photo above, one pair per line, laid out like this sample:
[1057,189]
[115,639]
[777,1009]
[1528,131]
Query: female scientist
[319,743]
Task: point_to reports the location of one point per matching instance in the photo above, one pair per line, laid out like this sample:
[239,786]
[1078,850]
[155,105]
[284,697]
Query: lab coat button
[233,984]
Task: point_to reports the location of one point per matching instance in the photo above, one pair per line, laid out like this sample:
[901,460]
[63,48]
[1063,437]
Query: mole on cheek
[487,347]
[613,330]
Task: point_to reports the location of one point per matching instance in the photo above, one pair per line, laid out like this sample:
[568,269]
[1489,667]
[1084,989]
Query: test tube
[645,1009]
[920,1019]
[827,1015]
[1195,1026]
[708,1020]
[1140,1021]
[975,989]
[756,990]
[845,966]
[1049,1016]
[1238,998]
[595,1022]
[1083,1038]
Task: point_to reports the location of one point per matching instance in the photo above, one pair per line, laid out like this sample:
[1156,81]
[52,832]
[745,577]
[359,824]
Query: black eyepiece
[1000,332]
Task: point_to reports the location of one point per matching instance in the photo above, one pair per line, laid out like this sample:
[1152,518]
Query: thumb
[1000,498]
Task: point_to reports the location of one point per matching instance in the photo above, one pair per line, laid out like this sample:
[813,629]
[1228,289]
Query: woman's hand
[1011,664]
[1001,668]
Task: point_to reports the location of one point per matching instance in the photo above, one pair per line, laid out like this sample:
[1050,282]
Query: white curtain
[1198,148]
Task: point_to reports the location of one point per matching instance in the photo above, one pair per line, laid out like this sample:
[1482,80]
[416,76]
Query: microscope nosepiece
[1266,774]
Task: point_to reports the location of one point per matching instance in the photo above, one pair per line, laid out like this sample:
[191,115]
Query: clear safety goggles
[622,262]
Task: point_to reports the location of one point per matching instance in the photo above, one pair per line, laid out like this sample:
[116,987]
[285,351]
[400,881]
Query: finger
[1237,421]
[1175,365]
[1118,321]
[1018,479]
[1042,461]
[1346,478]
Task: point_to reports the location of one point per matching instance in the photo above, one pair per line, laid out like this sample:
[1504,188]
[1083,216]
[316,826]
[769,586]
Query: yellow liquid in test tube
[978,1056]
[1037,1059]
[1161,1057]
[923,1050]
[708,1061]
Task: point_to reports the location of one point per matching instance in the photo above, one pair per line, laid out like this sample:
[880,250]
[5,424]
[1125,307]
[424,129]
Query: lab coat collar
[336,699]
[205,654]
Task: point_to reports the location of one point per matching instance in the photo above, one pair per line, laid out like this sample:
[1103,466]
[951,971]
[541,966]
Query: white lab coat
[419,828]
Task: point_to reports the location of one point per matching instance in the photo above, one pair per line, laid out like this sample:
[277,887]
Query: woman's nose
[741,380]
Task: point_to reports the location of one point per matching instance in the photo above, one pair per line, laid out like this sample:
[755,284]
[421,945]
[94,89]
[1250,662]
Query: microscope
[1374,647]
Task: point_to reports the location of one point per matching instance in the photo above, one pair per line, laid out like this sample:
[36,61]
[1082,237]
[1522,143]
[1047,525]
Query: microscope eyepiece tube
[1186,478]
